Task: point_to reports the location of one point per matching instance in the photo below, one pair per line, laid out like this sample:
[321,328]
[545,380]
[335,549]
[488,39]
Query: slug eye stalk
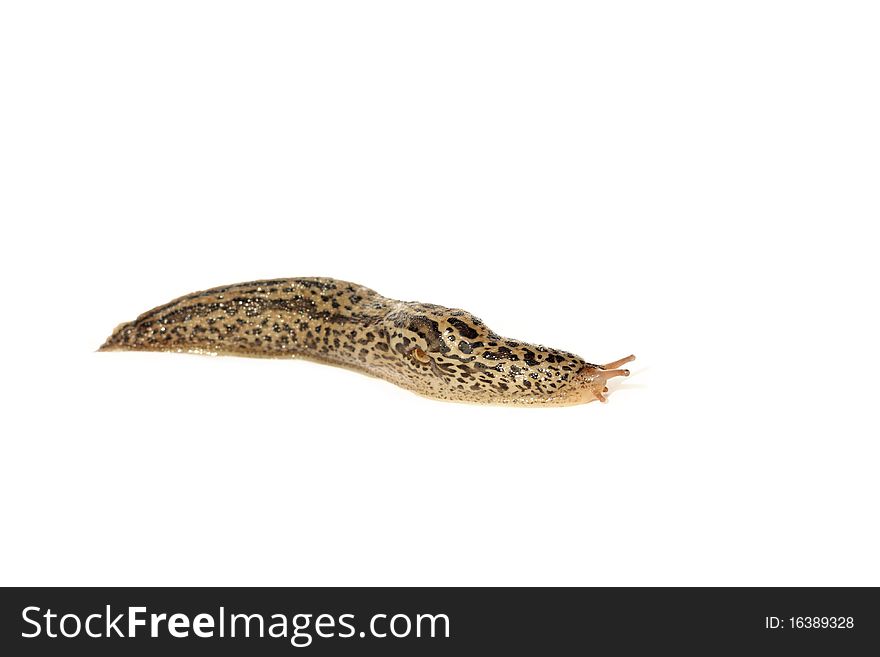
[618,363]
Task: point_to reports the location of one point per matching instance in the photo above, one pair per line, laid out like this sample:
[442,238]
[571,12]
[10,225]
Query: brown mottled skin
[437,352]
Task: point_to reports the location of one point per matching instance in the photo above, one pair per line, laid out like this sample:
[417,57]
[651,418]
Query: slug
[441,353]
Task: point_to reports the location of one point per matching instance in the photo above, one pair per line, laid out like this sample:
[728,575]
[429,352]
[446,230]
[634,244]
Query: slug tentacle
[618,363]
[442,353]
[593,377]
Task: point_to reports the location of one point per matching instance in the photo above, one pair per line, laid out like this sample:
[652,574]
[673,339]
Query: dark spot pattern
[459,358]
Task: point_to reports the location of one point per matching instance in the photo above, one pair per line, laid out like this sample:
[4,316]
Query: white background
[693,182]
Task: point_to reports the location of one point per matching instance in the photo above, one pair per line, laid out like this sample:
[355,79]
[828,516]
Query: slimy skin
[441,353]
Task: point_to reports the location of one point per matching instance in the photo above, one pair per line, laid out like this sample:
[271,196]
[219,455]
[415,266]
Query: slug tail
[117,340]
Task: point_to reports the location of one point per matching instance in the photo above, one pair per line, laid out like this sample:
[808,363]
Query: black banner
[432,621]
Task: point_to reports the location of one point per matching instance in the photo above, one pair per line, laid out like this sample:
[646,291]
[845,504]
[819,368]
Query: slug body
[438,352]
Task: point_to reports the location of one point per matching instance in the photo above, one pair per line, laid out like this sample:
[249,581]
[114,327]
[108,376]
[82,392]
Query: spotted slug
[441,353]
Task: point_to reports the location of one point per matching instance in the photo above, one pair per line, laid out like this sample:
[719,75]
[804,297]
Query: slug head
[450,354]
[589,382]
